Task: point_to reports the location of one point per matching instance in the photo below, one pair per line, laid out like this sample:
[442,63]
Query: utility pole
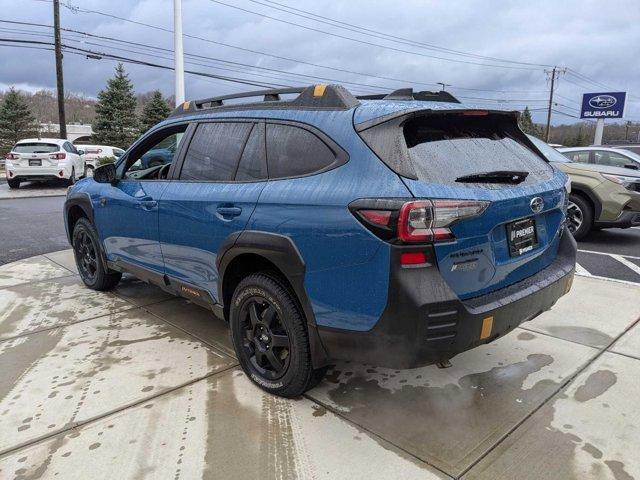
[553,79]
[444,85]
[178,52]
[59,80]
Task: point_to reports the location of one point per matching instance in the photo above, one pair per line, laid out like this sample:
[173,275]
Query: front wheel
[87,251]
[270,336]
[579,216]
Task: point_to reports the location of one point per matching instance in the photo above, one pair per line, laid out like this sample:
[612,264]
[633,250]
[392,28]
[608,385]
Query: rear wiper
[499,176]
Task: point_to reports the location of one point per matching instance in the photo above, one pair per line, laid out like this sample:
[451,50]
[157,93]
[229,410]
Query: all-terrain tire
[87,250]
[269,293]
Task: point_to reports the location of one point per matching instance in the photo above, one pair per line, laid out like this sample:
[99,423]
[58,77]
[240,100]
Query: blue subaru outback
[395,230]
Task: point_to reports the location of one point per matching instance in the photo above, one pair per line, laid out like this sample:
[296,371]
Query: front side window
[214,151]
[293,151]
[151,160]
[612,159]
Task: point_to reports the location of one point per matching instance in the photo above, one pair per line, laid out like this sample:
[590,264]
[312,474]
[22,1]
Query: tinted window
[36,148]
[293,151]
[251,166]
[214,151]
[580,157]
[445,147]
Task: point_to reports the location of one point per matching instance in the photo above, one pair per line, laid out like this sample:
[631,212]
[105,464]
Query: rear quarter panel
[346,267]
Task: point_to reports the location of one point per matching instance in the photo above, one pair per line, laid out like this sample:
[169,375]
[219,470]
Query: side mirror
[105,173]
[632,166]
[80,152]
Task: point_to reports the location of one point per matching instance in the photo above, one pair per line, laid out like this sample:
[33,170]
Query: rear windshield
[36,148]
[443,148]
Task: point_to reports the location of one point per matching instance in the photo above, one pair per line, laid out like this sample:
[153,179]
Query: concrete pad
[629,343]
[450,417]
[138,292]
[219,428]
[32,269]
[198,321]
[590,430]
[593,313]
[37,306]
[53,380]
[64,258]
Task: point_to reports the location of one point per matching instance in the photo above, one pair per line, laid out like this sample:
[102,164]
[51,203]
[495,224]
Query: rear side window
[293,152]
[443,148]
[214,151]
[580,157]
[36,148]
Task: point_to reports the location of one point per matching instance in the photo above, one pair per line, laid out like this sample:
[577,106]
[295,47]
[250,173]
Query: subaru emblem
[536,204]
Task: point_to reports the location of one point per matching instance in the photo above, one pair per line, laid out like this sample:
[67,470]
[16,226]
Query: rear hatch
[482,157]
[35,154]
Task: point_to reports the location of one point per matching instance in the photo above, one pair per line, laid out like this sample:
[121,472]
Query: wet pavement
[135,383]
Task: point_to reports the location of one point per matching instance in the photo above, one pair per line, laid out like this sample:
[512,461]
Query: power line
[279,57]
[364,42]
[382,35]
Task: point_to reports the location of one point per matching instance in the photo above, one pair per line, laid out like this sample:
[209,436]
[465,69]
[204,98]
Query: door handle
[229,211]
[148,204]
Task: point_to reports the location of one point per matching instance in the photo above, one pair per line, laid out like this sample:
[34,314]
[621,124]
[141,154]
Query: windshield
[630,153]
[36,148]
[548,151]
[444,148]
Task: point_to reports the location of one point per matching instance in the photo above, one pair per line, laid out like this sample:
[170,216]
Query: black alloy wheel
[87,256]
[265,339]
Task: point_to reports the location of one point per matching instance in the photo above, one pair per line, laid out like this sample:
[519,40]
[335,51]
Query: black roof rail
[327,97]
[409,94]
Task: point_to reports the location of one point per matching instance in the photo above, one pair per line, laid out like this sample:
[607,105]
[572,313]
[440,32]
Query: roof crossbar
[409,94]
[327,97]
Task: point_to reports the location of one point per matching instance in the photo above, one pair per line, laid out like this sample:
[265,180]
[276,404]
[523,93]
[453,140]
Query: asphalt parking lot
[134,383]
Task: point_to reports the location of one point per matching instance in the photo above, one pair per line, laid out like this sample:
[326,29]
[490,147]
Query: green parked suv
[601,196]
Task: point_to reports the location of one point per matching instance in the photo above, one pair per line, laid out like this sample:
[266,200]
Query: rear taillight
[11,156]
[429,220]
[58,156]
[417,221]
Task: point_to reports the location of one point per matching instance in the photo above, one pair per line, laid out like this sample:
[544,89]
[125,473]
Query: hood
[627,172]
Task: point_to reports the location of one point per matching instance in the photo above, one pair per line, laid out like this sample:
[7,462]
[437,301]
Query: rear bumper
[39,173]
[425,322]
[627,219]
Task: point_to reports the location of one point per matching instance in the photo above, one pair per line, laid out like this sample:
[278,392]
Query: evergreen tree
[16,120]
[155,110]
[116,122]
[526,124]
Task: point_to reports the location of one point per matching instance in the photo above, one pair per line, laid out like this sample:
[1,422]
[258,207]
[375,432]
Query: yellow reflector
[318,90]
[185,105]
[487,325]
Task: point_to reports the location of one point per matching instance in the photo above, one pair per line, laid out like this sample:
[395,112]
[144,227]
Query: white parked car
[596,155]
[93,152]
[41,159]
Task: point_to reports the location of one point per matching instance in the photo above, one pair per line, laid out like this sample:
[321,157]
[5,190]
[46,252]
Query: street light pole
[59,79]
[178,51]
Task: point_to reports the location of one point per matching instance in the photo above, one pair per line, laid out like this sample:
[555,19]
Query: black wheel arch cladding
[281,252]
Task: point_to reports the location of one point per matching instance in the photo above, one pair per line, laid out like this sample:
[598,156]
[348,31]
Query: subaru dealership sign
[603,105]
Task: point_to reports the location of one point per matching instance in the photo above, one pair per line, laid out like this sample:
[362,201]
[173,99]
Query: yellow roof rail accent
[318,90]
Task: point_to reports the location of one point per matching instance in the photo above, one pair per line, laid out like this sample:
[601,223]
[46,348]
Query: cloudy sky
[489,52]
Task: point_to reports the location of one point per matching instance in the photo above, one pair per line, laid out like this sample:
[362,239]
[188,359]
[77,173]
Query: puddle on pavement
[592,445]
